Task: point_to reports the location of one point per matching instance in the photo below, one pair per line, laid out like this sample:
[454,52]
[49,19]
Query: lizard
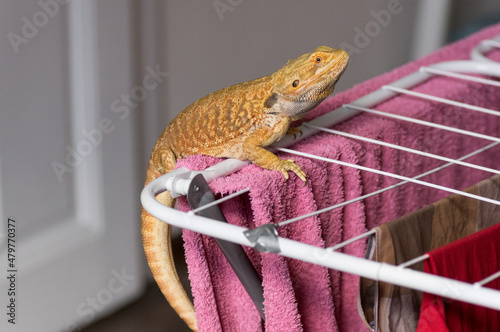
[235,122]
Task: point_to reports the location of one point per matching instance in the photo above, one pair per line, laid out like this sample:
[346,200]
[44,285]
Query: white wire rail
[401,276]
[178,181]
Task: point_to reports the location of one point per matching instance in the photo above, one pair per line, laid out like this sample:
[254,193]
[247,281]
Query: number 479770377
[11,243]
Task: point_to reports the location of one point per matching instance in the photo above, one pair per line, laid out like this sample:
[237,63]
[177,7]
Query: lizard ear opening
[271,101]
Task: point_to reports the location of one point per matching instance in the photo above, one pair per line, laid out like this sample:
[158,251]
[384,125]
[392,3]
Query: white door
[70,90]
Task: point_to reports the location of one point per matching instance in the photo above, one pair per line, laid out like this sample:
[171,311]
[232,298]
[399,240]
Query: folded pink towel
[303,297]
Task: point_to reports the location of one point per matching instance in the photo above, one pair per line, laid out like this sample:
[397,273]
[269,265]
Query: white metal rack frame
[178,182]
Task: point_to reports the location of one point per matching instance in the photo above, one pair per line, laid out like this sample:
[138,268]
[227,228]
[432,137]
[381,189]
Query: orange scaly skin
[235,122]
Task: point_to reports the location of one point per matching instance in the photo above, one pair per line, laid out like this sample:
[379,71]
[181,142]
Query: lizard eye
[295,83]
[318,59]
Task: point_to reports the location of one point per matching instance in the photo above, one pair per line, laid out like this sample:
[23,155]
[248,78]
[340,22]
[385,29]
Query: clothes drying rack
[265,238]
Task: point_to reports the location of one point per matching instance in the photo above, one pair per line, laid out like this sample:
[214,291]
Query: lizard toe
[290,165]
[295,131]
[285,174]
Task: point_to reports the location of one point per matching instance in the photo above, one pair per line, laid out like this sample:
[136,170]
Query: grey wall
[209,45]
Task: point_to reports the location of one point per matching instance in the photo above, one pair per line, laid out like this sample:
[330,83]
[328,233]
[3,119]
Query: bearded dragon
[235,122]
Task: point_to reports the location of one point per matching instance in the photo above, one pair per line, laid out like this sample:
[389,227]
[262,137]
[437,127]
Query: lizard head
[306,81]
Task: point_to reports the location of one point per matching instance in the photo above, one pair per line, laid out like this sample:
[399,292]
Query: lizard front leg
[268,160]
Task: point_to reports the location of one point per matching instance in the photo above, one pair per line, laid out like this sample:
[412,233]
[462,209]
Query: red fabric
[432,317]
[470,259]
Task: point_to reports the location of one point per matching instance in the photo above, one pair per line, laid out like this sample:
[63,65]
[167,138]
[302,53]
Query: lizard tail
[156,238]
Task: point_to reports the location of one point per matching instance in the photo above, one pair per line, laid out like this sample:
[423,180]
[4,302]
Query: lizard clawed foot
[289,165]
[294,131]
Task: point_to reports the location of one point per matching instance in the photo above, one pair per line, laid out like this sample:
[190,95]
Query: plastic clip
[264,238]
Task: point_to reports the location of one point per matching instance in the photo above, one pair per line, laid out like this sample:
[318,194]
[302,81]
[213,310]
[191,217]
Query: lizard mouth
[324,88]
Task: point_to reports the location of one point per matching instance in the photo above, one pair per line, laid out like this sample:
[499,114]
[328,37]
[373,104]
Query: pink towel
[303,297]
